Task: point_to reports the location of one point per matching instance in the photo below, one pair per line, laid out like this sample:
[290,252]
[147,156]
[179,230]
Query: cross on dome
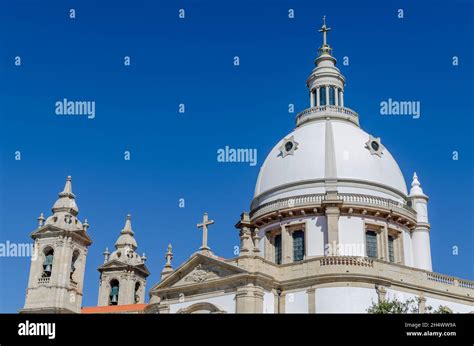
[324,30]
[325,48]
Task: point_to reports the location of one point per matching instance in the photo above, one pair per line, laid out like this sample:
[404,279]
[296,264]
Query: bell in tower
[48,263]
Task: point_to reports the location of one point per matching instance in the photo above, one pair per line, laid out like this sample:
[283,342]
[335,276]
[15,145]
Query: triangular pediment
[116,264]
[50,230]
[198,269]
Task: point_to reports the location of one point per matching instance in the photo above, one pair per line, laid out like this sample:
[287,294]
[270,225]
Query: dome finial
[325,48]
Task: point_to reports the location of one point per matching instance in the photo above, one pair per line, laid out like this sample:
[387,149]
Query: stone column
[336,96]
[318,100]
[281,303]
[332,215]
[327,94]
[384,234]
[311,300]
[286,242]
[258,294]
[311,98]
[341,99]
[245,299]
[268,248]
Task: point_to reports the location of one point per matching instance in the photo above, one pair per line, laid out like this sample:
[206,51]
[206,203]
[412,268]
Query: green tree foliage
[395,306]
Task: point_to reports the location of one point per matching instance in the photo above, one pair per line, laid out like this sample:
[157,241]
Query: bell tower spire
[57,267]
[123,273]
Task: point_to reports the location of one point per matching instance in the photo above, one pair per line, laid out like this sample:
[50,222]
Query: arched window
[114,292]
[75,256]
[136,297]
[48,261]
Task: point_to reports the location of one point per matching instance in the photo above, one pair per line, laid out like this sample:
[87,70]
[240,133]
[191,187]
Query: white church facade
[332,228]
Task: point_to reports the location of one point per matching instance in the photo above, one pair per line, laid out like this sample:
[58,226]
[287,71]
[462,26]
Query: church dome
[328,152]
[324,146]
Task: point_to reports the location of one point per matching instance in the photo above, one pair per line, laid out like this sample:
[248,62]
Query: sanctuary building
[331,228]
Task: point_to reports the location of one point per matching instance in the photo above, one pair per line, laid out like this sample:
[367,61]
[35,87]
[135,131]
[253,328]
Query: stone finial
[256,241]
[127,229]
[168,268]
[67,187]
[416,186]
[144,258]
[85,225]
[106,254]
[41,220]
[169,256]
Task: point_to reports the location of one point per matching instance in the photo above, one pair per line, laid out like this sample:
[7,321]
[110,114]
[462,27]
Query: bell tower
[58,263]
[123,274]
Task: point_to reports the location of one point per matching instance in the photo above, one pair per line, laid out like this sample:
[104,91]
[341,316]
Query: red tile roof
[113,309]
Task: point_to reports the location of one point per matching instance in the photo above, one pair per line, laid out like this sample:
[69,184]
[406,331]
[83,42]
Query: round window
[375,145]
[288,146]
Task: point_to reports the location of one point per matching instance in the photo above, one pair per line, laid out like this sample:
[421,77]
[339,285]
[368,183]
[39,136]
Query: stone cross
[205,222]
[324,30]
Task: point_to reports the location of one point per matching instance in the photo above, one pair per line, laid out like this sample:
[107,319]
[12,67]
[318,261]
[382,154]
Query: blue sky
[190,61]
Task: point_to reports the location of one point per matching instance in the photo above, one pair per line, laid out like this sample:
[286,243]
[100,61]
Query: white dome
[328,149]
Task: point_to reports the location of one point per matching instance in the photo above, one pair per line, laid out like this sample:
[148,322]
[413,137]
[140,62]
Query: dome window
[288,147]
[374,146]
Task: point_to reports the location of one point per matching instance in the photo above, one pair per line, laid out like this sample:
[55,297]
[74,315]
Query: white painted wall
[225,302]
[316,227]
[296,302]
[400,295]
[344,299]
[351,236]
[268,303]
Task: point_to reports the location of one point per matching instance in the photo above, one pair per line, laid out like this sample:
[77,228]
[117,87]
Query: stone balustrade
[348,198]
[43,280]
[341,268]
[321,112]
